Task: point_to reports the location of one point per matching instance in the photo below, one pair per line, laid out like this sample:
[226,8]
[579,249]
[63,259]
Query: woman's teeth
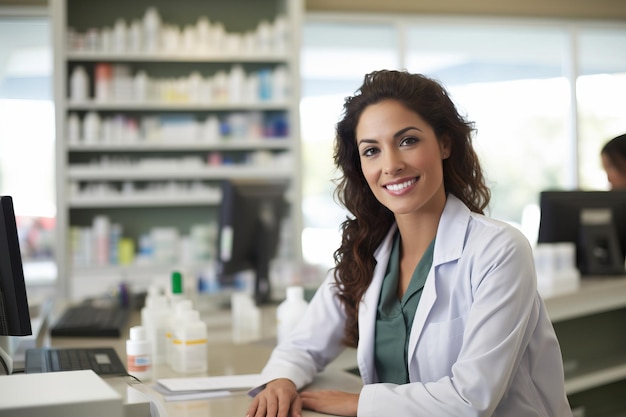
[400,186]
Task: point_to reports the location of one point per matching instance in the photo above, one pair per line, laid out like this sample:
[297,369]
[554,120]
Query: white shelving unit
[590,324]
[82,163]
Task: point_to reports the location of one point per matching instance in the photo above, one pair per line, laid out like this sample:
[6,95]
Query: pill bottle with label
[139,354]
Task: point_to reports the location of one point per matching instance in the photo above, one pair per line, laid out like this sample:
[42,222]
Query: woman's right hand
[279,398]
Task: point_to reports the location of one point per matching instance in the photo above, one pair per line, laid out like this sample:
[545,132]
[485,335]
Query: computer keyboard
[103,361]
[88,320]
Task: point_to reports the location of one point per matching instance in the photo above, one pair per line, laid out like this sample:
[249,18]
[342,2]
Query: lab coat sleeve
[316,340]
[498,323]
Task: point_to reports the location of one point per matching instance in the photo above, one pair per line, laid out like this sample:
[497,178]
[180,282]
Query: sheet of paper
[191,395]
[211,383]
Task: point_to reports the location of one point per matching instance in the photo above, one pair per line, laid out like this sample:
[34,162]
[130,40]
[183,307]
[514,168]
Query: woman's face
[616,178]
[401,158]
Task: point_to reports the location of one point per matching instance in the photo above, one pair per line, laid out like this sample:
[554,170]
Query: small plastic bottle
[173,322]
[154,319]
[139,354]
[246,318]
[289,312]
[190,344]
[79,84]
[152,30]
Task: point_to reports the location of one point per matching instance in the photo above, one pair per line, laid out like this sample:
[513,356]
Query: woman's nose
[392,163]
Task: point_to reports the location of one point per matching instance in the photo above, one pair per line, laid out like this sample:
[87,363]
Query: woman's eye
[369,151]
[409,140]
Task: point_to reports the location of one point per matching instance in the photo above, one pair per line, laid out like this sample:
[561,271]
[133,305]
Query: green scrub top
[394,317]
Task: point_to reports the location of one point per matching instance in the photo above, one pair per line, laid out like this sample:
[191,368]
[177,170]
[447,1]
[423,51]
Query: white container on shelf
[73,128]
[79,84]
[152,30]
[91,127]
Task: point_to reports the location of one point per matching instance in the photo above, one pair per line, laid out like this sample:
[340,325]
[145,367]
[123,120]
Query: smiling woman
[439,300]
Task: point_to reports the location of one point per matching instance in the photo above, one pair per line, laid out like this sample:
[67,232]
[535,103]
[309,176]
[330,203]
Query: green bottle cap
[177,283]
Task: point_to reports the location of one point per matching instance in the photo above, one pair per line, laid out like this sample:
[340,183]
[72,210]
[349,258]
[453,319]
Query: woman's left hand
[331,402]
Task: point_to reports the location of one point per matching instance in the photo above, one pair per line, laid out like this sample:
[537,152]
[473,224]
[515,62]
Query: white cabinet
[591,326]
[156,103]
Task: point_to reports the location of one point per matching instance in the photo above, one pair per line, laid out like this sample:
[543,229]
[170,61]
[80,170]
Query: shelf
[93,271]
[603,370]
[150,146]
[164,200]
[177,173]
[276,57]
[164,178]
[174,106]
[595,295]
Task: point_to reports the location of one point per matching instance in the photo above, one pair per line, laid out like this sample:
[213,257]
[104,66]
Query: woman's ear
[445,147]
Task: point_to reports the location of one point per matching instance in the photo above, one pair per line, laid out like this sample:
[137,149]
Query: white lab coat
[481,342]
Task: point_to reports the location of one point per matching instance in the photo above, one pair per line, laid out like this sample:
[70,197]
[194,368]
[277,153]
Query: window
[334,59]
[601,97]
[27,148]
[513,78]
[507,77]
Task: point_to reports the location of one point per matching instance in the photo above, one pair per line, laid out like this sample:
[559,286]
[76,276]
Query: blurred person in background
[613,156]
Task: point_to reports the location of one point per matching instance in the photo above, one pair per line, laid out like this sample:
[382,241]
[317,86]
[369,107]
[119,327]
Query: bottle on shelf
[79,84]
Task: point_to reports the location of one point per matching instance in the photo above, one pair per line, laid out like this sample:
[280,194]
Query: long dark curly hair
[364,230]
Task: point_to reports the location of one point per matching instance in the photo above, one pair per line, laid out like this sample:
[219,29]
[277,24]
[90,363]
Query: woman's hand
[279,398]
[331,402]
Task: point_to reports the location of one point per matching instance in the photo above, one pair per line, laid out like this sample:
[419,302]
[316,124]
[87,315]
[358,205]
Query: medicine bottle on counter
[190,344]
[154,318]
[289,312]
[173,321]
[139,354]
[246,318]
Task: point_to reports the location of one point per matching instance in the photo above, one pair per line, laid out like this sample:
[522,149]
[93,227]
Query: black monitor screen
[594,220]
[14,314]
[250,221]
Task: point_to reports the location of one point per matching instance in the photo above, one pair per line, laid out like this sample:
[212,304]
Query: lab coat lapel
[448,247]
[368,308]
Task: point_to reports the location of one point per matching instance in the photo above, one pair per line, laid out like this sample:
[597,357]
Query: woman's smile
[401,187]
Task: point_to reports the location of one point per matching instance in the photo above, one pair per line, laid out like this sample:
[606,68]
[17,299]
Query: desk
[225,358]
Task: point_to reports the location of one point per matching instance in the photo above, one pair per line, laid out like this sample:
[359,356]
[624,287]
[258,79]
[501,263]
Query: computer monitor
[594,220]
[14,313]
[249,230]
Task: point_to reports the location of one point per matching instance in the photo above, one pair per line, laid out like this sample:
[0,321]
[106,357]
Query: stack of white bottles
[189,344]
[290,312]
[179,337]
[154,318]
